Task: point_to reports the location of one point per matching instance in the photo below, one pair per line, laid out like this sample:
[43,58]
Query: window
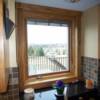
[47,45]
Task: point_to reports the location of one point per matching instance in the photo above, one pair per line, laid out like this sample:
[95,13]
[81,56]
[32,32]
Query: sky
[43,34]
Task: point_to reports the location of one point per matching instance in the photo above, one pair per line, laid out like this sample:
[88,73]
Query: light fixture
[73,1]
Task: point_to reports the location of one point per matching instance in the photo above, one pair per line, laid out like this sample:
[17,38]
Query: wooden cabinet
[4,52]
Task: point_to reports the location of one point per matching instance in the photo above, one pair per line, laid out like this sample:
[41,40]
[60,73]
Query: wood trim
[48,82]
[46,10]
[2,75]
[4,62]
[25,11]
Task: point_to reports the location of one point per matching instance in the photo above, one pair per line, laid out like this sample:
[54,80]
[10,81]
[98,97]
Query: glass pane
[47,48]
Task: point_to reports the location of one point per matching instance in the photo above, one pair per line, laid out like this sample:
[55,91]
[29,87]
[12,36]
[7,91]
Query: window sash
[48,23]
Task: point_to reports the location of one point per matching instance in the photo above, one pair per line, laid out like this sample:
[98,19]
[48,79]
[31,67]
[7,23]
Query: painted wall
[90,44]
[90,30]
[12,40]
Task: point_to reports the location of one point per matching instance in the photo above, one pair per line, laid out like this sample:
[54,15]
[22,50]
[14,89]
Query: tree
[30,51]
[39,51]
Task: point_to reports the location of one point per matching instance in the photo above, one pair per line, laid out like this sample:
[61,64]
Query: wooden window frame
[26,11]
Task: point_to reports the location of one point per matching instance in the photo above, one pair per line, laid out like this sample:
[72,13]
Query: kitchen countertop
[74,92]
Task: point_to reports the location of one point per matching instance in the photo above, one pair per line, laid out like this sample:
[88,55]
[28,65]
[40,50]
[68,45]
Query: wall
[13,85]
[90,31]
[90,42]
[12,40]
[99,47]
[99,30]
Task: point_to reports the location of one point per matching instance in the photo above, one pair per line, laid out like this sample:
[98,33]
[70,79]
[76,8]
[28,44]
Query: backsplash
[13,86]
[90,69]
[99,73]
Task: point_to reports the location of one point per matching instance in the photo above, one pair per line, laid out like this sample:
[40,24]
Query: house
[86,12]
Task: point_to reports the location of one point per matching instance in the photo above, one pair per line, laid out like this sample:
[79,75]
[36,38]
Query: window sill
[43,82]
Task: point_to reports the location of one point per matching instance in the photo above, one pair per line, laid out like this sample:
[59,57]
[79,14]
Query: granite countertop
[73,90]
